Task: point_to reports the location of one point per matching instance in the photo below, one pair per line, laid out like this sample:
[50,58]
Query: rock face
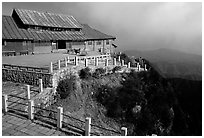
[45,98]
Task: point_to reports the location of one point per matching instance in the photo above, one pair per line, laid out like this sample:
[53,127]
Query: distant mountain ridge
[172,63]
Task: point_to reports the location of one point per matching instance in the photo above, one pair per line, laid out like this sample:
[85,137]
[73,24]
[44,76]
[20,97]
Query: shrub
[85,73]
[117,68]
[98,72]
[106,95]
[66,86]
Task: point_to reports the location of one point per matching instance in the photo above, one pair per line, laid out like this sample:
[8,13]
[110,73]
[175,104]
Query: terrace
[38,60]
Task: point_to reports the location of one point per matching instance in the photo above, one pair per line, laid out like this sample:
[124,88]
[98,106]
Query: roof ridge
[43,12]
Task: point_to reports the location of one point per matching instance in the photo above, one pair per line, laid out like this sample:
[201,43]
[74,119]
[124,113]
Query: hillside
[189,95]
[144,102]
[172,63]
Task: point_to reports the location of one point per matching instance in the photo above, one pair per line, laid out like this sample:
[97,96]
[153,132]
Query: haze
[139,26]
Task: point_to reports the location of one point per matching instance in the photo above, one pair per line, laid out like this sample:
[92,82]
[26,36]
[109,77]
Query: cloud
[136,25]
[148,25]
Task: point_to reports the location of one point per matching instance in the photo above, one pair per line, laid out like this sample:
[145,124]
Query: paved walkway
[16,125]
[16,122]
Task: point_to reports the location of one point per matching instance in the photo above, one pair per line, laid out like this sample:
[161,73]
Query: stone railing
[78,61]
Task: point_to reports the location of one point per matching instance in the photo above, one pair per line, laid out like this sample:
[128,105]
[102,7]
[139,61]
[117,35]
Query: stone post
[40,85]
[68,59]
[87,126]
[5,104]
[96,61]
[114,62]
[65,61]
[30,109]
[124,131]
[128,65]
[51,67]
[106,62]
[59,117]
[58,64]
[118,58]
[28,92]
[76,60]
[138,65]
[145,67]
[122,63]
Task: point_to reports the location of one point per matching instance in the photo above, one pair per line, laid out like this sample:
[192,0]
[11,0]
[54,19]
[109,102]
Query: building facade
[32,32]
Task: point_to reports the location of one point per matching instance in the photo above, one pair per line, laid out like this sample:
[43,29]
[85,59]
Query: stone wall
[74,70]
[28,77]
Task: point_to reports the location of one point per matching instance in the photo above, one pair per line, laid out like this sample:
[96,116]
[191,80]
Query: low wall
[74,70]
[28,77]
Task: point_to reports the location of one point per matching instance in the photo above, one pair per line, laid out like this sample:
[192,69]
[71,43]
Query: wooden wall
[17,46]
[42,47]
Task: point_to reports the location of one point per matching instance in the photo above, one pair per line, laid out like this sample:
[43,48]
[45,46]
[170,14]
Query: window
[89,42]
[107,42]
[98,42]
[24,43]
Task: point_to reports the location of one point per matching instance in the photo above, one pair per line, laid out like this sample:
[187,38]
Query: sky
[136,25]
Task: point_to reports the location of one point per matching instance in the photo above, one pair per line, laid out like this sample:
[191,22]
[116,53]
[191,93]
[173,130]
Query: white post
[59,117]
[128,65]
[118,58]
[51,67]
[65,61]
[114,62]
[96,61]
[58,64]
[68,59]
[87,126]
[28,92]
[30,109]
[53,82]
[86,62]
[40,85]
[5,104]
[145,67]
[106,62]
[124,131]
[76,60]
[122,63]
[138,67]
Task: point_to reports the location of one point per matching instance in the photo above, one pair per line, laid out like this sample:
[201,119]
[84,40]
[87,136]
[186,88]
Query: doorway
[61,44]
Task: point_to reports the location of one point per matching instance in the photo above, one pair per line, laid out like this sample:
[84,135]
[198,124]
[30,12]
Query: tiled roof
[11,31]
[36,18]
[93,34]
